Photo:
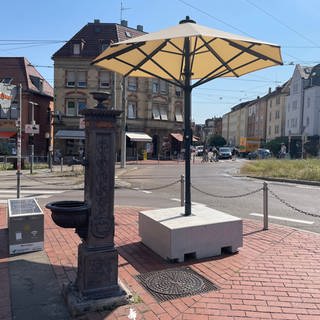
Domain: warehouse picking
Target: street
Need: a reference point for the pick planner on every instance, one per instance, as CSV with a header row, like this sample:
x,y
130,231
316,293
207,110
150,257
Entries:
x,y
216,185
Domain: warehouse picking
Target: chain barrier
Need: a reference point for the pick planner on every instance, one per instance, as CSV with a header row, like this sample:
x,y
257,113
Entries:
x,y
292,207
227,197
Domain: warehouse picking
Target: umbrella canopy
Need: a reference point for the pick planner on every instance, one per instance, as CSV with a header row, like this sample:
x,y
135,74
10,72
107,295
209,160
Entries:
x,y
213,54
184,53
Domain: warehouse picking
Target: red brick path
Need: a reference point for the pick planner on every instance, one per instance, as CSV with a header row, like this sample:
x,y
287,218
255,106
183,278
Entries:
x,y
276,275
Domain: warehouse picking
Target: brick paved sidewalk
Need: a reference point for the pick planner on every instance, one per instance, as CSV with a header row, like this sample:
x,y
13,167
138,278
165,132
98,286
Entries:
x,y
274,276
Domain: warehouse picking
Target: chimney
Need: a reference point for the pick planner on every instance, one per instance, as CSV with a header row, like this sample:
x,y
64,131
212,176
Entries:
x,y
140,27
124,23
96,21
269,89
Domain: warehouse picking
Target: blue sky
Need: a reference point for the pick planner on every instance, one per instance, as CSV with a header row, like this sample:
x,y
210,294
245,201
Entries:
x,y
293,24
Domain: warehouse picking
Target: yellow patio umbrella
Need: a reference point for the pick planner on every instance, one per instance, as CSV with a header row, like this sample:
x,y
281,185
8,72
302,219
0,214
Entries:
x,y
184,53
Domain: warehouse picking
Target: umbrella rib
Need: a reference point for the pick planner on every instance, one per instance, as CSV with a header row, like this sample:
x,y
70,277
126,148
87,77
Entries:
x,y
252,52
120,52
215,70
224,63
176,82
202,46
222,73
156,63
148,56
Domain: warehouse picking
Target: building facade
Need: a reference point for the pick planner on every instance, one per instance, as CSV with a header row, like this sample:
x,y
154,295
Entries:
x,y
36,108
150,106
276,108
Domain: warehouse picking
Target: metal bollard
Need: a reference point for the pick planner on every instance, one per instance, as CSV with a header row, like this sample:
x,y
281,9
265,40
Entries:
x,y
265,206
61,164
182,190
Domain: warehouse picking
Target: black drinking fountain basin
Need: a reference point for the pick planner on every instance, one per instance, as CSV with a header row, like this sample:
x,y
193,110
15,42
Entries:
x,y
71,214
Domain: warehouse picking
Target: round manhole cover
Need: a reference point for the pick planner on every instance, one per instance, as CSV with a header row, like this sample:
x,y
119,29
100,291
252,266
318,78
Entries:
x,y
174,282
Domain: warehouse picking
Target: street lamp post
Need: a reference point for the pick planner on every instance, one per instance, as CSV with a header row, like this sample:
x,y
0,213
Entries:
x,y
32,135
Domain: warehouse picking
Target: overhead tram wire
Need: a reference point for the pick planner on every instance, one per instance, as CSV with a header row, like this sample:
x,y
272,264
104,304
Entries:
x,y
282,23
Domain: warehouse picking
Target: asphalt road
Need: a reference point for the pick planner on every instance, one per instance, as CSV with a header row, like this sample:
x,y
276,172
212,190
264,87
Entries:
x,y
216,185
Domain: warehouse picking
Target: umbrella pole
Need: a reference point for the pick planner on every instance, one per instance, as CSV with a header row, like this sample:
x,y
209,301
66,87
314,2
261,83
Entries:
x,y
187,125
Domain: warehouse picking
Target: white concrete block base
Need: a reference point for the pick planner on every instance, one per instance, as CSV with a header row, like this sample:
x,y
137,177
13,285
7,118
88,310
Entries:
x,y
203,234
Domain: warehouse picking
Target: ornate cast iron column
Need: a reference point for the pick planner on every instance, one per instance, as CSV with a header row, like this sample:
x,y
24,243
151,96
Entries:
x,y
97,275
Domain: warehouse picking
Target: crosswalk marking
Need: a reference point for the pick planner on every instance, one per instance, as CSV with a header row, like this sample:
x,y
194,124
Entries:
x,y
31,193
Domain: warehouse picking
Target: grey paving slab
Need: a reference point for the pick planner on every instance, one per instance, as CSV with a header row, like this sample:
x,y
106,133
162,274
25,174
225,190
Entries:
x,y
35,293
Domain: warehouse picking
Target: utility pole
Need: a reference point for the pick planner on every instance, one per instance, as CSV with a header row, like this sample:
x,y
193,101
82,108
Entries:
x,y
19,133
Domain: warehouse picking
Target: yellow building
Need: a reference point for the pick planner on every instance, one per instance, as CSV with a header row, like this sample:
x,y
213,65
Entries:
x,y
150,106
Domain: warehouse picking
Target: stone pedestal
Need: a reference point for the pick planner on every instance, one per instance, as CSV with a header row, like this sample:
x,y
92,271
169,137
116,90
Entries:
x,y
176,237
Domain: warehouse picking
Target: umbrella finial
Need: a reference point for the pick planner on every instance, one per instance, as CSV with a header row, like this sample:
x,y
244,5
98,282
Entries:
x,y
187,20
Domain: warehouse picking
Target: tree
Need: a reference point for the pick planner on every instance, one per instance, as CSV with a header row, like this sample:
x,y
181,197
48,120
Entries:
x,y
216,140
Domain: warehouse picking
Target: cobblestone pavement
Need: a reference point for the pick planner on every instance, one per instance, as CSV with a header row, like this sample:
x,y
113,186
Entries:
x,y
275,275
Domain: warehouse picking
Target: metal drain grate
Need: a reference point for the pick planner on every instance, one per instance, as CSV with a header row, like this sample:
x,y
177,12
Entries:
x,y
175,283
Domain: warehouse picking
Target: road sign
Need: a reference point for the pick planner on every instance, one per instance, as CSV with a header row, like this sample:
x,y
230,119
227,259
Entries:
x,y
32,128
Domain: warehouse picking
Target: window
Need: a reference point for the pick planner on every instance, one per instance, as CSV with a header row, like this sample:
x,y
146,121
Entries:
x,y
164,112
104,79
294,105
81,79
155,86
104,46
270,115
163,87
74,106
288,107
308,102
76,79
156,111
132,84
71,78
76,48
14,112
132,110
277,99
307,121
277,114
276,129
178,114
270,103
269,131
37,82
178,92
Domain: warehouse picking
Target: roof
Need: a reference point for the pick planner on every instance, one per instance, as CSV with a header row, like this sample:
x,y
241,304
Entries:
x,y
92,35
304,71
22,71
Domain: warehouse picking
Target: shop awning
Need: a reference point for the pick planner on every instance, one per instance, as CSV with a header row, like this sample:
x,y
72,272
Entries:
x,y
179,137
7,134
138,136
70,134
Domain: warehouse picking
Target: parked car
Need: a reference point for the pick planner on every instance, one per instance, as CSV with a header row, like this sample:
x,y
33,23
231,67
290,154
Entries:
x,y
225,153
259,154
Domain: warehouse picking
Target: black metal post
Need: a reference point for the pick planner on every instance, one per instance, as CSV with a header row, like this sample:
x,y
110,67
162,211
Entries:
x,y
187,125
